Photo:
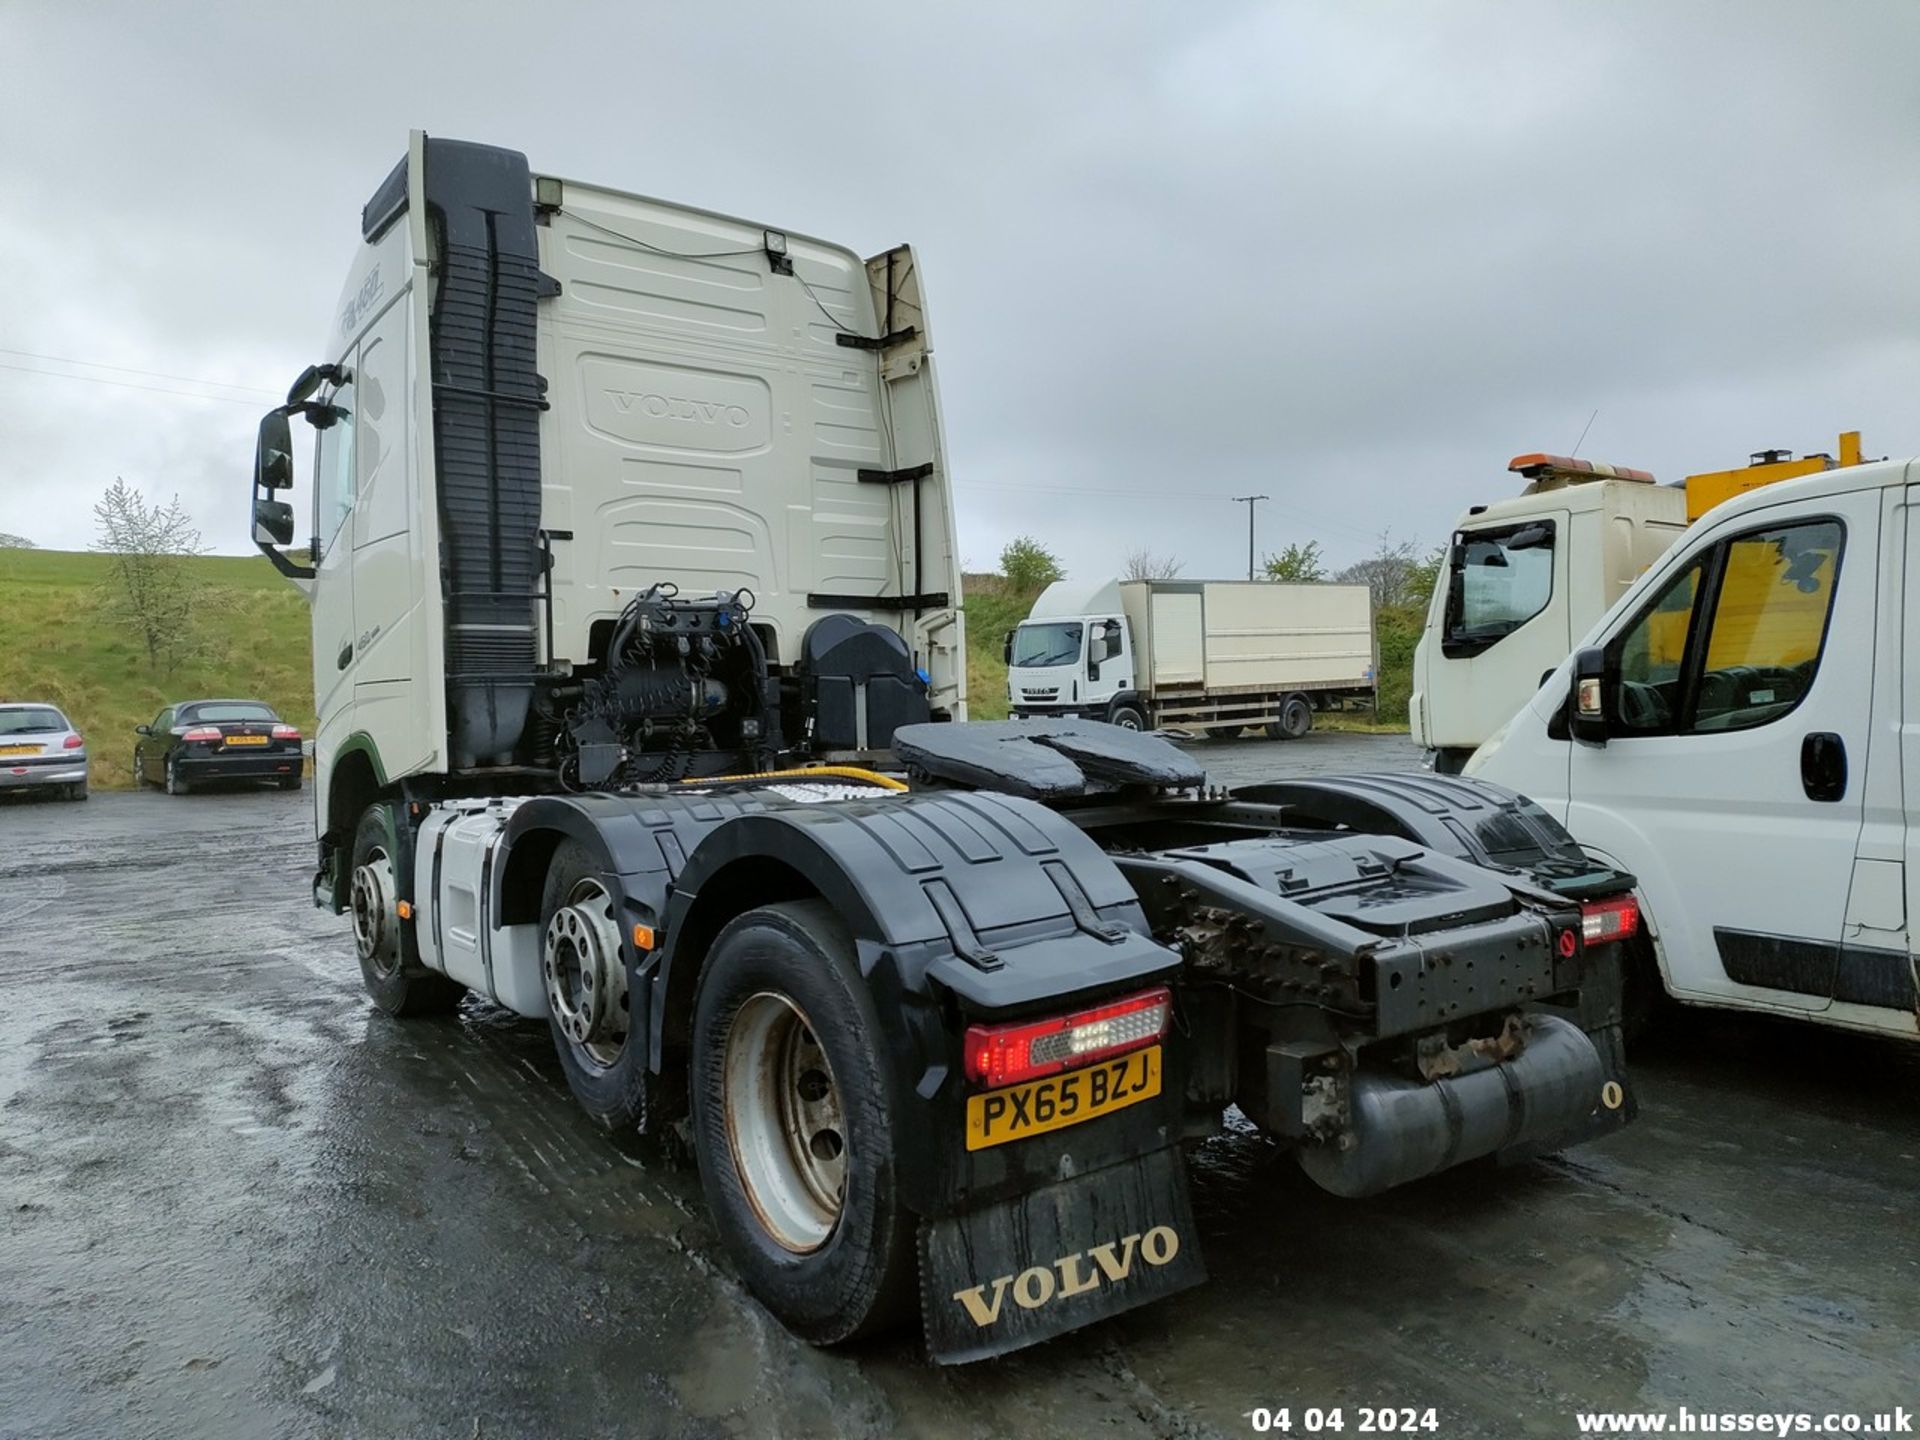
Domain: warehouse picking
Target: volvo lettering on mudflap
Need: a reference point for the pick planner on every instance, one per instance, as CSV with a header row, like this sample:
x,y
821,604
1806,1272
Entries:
x,y
640,679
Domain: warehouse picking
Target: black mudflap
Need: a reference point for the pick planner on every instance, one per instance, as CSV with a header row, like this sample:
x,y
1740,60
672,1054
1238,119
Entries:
x,y
1014,1273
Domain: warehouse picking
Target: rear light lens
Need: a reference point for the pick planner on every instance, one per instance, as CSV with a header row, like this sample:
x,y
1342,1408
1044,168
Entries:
x,y
201,732
73,742
1602,922
999,1055
285,732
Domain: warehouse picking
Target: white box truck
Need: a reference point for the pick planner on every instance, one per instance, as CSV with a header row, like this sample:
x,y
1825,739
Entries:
x,y
623,510
1217,656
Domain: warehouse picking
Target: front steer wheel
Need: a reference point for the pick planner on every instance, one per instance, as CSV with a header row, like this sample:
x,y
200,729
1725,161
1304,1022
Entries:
x,y
795,1125
389,957
584,967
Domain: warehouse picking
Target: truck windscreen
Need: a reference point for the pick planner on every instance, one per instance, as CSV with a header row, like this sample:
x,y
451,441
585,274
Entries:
x,y
1497,581
1051,643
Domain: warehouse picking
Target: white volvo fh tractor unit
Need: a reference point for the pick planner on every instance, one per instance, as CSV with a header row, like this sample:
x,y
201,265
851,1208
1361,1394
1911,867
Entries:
x,y
624,510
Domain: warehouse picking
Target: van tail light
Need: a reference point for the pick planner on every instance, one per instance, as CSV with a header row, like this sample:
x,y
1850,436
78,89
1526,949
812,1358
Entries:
x,y
1602,922
201,732
999,1055
73,741
285,732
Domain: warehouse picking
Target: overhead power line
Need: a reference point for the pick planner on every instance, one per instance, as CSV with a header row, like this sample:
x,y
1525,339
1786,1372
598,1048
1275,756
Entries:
x,y
131,370
131,385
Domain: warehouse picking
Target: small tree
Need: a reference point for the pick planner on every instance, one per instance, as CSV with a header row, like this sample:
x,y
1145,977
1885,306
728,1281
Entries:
x,y
149,587
15,542
1029,565
1396,573
1145,565
1297,564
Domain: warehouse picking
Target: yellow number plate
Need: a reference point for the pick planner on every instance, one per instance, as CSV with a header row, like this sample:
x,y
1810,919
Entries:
x,y
246,740
19,749
1059,1100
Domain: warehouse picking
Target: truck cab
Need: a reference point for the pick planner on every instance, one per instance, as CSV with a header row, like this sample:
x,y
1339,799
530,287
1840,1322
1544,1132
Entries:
x,y
1523,578
1073,655
1738,733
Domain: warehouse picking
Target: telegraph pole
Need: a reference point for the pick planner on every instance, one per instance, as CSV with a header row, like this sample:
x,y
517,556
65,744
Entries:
x,y
1249,501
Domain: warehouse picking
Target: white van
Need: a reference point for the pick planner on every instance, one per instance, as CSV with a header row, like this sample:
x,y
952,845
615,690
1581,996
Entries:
x,y
1742,732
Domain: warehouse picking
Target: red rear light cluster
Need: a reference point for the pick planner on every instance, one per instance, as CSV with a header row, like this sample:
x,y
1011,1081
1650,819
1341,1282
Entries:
x,y
73,741
285,732
201,732
1602,922
999,1055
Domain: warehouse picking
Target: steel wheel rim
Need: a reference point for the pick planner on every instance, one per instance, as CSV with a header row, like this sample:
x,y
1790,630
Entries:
x,y
585,972
784,1122
1126,721
370,898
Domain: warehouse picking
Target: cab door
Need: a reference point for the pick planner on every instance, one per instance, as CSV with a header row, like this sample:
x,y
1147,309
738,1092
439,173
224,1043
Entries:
x,y
1739,699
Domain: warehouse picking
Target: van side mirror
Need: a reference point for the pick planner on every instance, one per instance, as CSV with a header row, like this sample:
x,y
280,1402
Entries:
x,y
1587,703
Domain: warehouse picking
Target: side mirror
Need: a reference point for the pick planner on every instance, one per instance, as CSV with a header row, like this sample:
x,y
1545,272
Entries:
x,y
1587,704
1006,648
273,453
143,730
1115,637
272,522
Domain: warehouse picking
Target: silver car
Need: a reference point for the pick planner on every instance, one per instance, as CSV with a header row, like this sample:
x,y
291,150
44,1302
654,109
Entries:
x,y
39,750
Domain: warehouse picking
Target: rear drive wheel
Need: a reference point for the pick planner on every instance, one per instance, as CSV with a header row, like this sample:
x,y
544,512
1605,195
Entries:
x,y
177,784
1128,717
289,782
140,781
583,963
1296,719
795,1125
77,792
389,956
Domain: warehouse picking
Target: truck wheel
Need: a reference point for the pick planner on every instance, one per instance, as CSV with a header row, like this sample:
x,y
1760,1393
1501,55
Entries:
x,y
584,966
1450,762
289,782
1296,719
389,957
1644,1003
1128,717
794,1125
176,783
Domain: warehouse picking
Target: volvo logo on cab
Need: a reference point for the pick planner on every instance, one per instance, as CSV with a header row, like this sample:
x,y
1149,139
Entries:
x,y
675,407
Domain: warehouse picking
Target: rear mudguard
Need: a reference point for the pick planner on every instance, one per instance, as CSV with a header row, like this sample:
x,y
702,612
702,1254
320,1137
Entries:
x,y
1469,819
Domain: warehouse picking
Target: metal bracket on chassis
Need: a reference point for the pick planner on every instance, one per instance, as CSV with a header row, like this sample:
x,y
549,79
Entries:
x,y
1008,1275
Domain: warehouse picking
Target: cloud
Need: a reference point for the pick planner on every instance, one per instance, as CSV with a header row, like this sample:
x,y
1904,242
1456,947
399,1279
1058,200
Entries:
x,y
1354,257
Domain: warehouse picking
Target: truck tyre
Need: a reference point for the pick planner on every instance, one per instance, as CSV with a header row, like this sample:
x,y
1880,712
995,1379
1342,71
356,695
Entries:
x,y
289,782
795,1125
1644,1002
176,783
1127,717
1296,719
389,956
586,972
1450,761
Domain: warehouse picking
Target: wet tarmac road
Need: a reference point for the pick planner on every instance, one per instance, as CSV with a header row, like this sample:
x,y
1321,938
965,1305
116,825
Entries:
x,y
235,1202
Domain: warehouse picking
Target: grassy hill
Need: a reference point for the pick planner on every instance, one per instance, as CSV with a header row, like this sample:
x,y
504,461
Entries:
x,y
55,645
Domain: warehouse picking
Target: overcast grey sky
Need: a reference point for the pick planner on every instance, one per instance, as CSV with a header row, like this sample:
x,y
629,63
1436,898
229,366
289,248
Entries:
x,y
1354,256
